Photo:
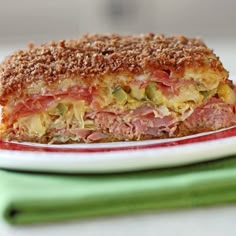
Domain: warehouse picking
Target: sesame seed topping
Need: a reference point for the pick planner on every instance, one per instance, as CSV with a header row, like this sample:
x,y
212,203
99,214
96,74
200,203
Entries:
x,y
96,55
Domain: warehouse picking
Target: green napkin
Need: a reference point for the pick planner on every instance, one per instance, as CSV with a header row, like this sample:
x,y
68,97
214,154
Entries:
x,y
27,198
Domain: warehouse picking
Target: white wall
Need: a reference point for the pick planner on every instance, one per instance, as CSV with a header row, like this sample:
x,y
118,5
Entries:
x,y
46,19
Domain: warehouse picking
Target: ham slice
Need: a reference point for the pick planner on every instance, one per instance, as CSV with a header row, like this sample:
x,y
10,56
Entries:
x,y
95,136
82,133
213,115
140,123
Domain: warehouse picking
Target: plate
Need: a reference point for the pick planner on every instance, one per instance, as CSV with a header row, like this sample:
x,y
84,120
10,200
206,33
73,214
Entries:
x,y
119,156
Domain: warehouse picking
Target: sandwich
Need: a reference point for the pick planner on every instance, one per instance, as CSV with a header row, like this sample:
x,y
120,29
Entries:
x,y
105,88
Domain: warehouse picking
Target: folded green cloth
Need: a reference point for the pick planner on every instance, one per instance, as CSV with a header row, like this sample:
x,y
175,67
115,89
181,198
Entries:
x,y
32,198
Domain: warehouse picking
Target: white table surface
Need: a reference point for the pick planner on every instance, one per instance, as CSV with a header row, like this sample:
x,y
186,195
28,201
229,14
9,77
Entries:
x,y
215,221
202,221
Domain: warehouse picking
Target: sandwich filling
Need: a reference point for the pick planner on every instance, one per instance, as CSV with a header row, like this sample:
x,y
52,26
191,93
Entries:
x,y
145,106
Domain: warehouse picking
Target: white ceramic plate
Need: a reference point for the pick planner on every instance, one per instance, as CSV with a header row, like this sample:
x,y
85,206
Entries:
x,y
120,156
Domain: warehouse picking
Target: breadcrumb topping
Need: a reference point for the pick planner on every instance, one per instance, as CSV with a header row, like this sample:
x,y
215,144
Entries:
x,y
96,55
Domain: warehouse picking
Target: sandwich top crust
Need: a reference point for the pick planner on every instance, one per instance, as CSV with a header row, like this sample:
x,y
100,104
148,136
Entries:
x,y
96,55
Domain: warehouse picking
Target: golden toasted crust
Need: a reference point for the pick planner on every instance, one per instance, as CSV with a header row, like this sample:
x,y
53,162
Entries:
x,y
95,55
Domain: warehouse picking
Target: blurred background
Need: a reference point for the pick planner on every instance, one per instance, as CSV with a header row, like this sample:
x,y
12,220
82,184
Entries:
x,y
39,21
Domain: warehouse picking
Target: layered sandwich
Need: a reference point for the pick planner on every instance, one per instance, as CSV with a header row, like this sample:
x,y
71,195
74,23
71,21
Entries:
x,y
104,88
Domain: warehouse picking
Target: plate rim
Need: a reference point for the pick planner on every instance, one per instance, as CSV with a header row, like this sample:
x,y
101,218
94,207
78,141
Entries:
x,y
119,161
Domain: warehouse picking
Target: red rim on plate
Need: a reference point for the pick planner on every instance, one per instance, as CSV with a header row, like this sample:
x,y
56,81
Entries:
x,y
225,133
